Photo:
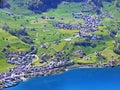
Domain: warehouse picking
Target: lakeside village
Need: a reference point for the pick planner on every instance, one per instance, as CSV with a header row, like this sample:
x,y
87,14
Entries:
x,y
25,69
59,61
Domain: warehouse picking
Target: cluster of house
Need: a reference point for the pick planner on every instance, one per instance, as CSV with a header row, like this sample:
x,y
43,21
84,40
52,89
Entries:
x,y
91,23
80,52
19,57
58,58
62,25
91,36
26,70
61,58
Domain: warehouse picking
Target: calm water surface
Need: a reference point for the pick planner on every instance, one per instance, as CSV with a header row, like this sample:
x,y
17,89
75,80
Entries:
x,y
77,79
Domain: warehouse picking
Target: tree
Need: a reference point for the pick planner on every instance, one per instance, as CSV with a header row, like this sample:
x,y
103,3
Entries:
x,y
113,33
93,44
5,27
4,4
8,46
117,46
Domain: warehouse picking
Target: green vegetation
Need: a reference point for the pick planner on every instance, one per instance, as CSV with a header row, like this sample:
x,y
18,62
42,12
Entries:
x,y
14,45
20,26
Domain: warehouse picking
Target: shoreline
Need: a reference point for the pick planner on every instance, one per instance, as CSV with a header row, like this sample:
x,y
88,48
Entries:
x,y
60,71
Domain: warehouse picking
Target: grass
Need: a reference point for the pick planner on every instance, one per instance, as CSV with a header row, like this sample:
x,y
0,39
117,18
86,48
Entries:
x,y
4,66
15,45
69,31
6,38
60,46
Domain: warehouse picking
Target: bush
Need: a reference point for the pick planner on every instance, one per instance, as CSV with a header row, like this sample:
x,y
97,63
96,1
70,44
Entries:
x,y
6,27
27,40
19,33
82,43
116,50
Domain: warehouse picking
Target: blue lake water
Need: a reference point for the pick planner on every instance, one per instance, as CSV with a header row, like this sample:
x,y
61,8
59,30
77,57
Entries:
x,y
77,79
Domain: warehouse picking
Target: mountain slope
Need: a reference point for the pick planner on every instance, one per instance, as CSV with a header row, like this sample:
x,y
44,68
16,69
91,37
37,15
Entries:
x,y
4,4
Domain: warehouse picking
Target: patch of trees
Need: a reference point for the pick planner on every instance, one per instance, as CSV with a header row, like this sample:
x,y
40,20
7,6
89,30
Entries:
x,y
39,6
117,51
117,47
27,40
5,27
20,4
33,50
8,46
22,34
4,50
113,33
82,43
86,43
98,3
4,4
18,33
117,3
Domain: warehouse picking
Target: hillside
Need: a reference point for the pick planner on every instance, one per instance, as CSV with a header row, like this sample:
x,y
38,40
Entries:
x,y
49,27
39,6
10,43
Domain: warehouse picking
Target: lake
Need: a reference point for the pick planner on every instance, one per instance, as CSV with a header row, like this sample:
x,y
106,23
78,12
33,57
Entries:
x,y
76,79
